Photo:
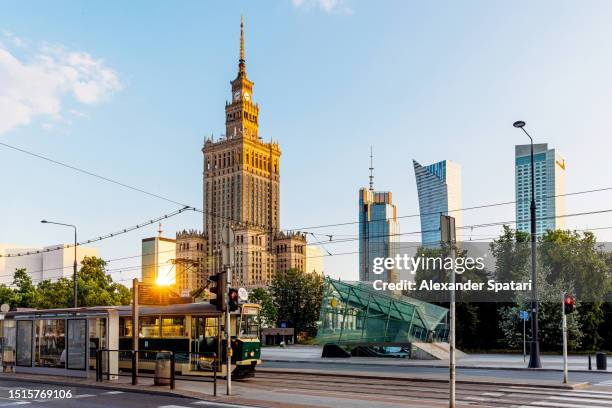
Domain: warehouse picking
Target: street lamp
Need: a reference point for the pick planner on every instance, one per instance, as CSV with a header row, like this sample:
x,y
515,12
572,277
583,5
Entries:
x,y
75,255
534,356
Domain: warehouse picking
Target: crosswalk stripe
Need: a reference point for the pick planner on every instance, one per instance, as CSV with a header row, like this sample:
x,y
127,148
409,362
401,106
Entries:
x,y
113,392
14,403
220,403
83,396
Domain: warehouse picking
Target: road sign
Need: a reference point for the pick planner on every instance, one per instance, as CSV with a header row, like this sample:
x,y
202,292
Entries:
x,y
4,308
149,294
524,315
243,294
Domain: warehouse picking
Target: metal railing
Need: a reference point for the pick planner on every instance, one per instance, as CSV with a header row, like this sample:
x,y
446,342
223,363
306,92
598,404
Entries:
x,y
201,362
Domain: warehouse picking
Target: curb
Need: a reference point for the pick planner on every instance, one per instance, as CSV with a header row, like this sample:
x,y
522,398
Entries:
x,y
467,367
115,387
433,380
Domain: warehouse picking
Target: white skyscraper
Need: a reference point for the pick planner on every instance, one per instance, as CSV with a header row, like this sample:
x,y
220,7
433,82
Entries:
x,y
549,184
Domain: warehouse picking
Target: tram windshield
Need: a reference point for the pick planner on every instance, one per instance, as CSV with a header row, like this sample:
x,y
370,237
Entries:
x,y
249,326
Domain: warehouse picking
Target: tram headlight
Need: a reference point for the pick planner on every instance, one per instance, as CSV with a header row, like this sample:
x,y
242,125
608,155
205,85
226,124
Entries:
x,y
252,354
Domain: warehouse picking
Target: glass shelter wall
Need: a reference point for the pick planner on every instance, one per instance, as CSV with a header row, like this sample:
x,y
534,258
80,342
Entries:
x,y
354,313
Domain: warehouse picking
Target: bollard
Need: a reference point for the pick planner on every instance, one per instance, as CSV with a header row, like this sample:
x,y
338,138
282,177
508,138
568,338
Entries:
x,y
590,367
602,360
172,363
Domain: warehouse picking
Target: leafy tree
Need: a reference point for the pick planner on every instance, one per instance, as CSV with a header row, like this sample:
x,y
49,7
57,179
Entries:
x,y
54,295
268,313
512,254
25,294
96,288
297,297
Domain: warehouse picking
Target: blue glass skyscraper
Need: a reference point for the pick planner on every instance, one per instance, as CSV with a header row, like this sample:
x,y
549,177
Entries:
x,y
439,190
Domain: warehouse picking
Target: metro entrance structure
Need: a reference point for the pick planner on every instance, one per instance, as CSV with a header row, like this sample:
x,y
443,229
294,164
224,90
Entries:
x,y
355,314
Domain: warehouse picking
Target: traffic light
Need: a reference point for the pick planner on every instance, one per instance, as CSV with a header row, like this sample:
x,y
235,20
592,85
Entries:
x,y
232,300
219,289
569,304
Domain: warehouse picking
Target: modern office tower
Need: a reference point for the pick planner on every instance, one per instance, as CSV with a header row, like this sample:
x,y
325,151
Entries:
x,y
439,189
549,185
158,257
378,231
190,261
242,189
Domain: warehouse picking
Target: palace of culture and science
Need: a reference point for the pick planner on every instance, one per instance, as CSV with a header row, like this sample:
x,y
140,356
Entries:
x,y
241,187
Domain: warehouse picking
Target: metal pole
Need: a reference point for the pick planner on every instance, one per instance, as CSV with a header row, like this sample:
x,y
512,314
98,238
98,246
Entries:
x,y
228,330
524,342
534,357
451,402
565,374
135,325
75,268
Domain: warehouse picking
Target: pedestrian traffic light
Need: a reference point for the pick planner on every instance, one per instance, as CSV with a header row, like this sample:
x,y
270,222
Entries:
x,y
232,299
568,304
219,289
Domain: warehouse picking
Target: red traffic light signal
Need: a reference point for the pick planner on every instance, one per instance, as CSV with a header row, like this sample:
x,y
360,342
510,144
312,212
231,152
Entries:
x,y
232,299
569,304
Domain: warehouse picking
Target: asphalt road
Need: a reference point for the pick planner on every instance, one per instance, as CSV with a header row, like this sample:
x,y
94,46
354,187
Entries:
x,y
83,397
593,378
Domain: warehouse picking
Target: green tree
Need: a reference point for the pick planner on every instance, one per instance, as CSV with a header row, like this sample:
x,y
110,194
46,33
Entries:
x,y
96,288
268,313
24,294
297,297
512,253
54,295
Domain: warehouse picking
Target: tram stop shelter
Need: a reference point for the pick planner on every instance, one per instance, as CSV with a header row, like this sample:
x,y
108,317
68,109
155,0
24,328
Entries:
x,y
353,313
59,341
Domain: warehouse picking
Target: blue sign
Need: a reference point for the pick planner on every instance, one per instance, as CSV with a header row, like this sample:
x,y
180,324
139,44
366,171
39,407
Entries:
x,y
283,325
524,315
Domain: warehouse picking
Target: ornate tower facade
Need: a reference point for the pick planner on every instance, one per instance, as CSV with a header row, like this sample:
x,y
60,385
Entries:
x,y
242,187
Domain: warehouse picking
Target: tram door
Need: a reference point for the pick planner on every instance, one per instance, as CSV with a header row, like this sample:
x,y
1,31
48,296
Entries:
x,y
204,339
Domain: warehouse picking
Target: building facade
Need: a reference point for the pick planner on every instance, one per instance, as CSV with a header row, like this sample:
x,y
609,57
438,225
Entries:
x,y
378,233
158,261
242,188
439,190
290,248
190,262
314,260
549,180
47,263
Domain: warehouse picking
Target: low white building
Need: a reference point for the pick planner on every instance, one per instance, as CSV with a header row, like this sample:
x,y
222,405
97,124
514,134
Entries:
x,y
47,263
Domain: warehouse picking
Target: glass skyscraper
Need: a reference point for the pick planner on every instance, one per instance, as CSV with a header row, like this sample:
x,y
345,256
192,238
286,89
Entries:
x,y
549,184
439,189
378,233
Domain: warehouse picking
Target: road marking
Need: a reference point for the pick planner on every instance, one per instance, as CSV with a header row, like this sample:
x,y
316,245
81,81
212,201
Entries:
x,y
220,403
83,396
113,392
603,383
15,403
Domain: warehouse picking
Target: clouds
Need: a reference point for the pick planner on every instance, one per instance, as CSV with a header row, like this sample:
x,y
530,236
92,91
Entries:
x,y
41,84
328,6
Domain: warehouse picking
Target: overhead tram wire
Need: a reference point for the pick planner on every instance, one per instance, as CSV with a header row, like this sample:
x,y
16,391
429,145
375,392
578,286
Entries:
x,y
304,229
103,237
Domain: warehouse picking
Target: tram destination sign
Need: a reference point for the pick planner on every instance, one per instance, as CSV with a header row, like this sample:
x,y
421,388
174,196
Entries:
x,y
152,295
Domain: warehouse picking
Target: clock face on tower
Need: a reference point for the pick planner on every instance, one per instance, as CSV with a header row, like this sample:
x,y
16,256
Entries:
x,y
236,95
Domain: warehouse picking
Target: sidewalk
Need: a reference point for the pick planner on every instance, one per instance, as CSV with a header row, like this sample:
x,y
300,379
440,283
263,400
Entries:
x,y
312,354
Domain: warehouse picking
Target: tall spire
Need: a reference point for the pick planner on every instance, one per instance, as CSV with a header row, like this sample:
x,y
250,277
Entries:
x,y
371,170
241,64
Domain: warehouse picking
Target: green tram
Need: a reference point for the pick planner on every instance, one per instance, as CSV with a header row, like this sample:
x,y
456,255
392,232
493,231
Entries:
x,y
193,331
66,341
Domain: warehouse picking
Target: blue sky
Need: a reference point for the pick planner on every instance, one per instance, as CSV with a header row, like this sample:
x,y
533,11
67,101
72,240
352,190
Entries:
x,y
130,90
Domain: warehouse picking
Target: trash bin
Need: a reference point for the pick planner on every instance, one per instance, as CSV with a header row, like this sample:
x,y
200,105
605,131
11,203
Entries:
x,y
162,368
602,361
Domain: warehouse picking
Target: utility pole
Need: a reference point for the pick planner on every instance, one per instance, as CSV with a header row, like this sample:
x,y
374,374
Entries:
x,y
447,232
229,334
